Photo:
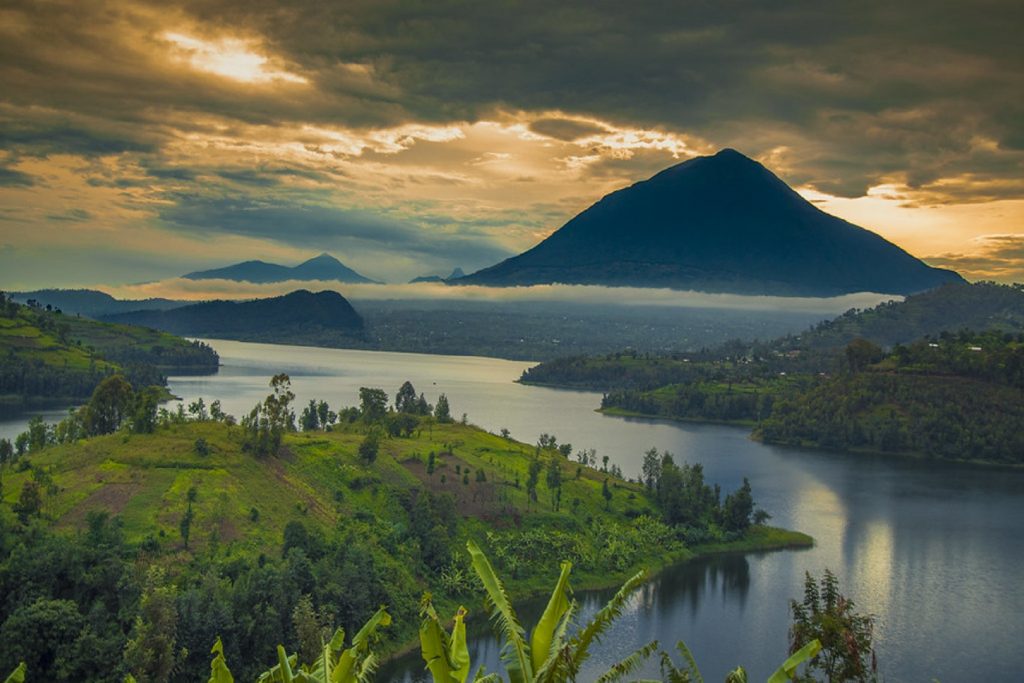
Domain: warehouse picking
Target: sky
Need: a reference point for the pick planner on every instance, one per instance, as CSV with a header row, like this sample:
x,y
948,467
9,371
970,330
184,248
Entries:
x,y
143,140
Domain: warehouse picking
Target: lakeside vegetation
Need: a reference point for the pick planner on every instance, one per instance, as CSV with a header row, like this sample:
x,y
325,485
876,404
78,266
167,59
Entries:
x,y
195,525
49,357
952,395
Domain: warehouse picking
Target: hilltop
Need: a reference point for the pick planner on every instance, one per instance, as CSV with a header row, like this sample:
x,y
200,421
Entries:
x,y
300,315
323,267
721,223
48,357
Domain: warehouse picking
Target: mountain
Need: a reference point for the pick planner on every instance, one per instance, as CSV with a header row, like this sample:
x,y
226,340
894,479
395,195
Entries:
x,y
323,267
455,274
300,312
721,223
90,302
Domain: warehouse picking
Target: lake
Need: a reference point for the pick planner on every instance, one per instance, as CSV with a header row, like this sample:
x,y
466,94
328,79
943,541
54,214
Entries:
x,y
934,550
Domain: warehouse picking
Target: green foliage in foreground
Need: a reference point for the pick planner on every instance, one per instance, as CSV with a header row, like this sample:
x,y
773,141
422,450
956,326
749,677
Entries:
x,y
548,654
134,551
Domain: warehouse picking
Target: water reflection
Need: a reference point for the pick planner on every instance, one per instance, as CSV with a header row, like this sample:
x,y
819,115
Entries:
x,y
933,549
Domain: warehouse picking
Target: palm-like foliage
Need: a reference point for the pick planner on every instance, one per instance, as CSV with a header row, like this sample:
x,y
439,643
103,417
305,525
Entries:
x,y
689,673
18,675
551,655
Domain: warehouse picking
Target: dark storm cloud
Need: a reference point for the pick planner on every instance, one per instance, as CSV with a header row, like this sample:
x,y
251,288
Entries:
x,y
904,89
565,129
858,92
323,227
10,178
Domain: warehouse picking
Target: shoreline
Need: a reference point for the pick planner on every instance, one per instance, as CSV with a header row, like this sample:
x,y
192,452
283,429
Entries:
x,y
776,539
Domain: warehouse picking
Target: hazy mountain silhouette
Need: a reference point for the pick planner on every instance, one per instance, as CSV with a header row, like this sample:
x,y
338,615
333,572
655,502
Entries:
x,y
90,302
298,311
456,273
322,267
722,223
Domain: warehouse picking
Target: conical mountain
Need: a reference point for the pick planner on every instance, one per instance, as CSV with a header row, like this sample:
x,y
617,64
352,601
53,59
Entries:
x,y
721,223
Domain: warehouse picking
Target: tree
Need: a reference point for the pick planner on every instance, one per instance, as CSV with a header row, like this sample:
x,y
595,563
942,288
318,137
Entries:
x,y
406,400
266,424
372,404
144,410
39,436
826,615
607,493
311,629
554,481
30,501
738,508
651,469
442,411
861,353
533,476
109,405
151,653
369,447
431,462
310,418
186,520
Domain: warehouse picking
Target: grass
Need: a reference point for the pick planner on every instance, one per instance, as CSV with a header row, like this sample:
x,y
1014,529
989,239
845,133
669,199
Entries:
x,y
318,480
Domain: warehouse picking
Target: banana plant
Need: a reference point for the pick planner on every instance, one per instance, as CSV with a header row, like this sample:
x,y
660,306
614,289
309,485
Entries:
x,y
219,672
336,664
446,655
18,675
689,673
551,655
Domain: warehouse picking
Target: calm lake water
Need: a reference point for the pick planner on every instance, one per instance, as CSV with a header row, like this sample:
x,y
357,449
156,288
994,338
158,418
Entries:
x,y
935,551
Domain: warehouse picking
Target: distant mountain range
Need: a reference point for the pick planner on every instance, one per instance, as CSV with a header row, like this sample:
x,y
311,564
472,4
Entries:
x,y
297,313
455,275
323,267
721,223
90,302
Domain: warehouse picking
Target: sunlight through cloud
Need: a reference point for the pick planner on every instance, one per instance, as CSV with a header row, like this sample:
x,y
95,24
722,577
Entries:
x,y
229,57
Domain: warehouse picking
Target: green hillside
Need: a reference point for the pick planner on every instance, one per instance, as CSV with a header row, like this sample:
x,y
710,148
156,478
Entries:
x,y
236,532
46,356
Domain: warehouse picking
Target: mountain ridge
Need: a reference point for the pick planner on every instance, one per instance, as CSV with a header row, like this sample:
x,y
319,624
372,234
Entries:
x,y
322,267
296,311
721,223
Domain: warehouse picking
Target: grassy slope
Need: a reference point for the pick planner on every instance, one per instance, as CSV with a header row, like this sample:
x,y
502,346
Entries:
x,y
318,480
109,337
22,337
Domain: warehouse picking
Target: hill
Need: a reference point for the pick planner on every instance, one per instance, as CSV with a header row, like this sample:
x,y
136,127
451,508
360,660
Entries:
x,y
948,308
368,511
323,267
980,306
48,357
960,397
722,223
90,302
298,315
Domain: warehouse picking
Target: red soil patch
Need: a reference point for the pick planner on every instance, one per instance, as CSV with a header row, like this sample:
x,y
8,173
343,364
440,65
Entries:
x,y
475,499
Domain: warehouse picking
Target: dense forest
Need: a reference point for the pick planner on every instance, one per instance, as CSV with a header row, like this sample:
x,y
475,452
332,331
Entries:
x,y
48,356
131,536
959,396
948,394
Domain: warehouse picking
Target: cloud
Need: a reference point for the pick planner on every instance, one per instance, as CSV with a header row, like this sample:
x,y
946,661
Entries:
x,y
196,290
323,228
11,177
999,257
457,133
